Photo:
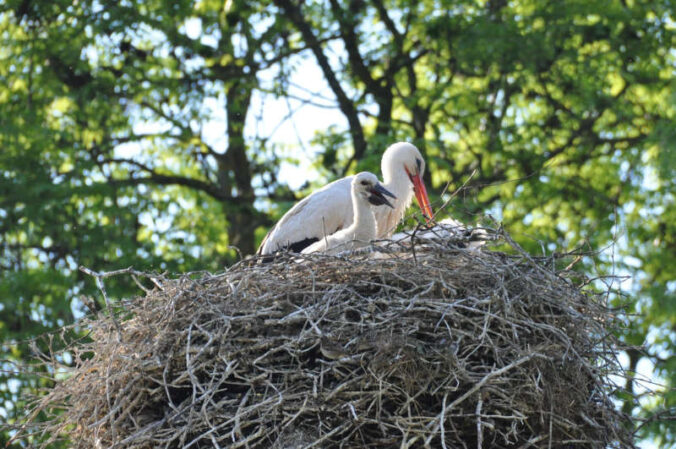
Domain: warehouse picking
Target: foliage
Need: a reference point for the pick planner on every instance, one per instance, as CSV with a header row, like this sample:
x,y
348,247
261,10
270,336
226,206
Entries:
x,y
108,110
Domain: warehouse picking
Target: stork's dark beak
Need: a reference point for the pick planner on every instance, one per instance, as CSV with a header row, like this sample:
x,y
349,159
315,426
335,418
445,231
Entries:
x,y
378,193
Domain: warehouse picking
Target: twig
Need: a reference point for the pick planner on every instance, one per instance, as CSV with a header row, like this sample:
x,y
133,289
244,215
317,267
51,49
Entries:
x,y
99,284
453,195
479,427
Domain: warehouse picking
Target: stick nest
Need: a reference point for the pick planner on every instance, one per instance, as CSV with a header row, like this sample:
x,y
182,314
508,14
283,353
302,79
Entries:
x,y
434,345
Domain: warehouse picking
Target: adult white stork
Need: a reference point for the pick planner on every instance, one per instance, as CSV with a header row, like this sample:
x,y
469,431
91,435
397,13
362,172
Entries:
x,y
365,191
329,209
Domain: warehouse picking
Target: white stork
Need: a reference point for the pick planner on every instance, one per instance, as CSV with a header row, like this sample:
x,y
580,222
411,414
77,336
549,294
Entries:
x,y
365,191
329,209
444,232
447,229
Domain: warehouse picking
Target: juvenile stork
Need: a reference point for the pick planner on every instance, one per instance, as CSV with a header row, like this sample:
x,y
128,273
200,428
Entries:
x,y
329,209
366,191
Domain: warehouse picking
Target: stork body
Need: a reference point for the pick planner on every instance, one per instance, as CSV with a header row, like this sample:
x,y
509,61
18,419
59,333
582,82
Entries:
x,y
447,229
445,232
329,209
366,193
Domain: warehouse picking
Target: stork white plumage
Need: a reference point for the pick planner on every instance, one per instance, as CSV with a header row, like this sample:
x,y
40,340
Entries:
x,y
445,230
329,209
366,193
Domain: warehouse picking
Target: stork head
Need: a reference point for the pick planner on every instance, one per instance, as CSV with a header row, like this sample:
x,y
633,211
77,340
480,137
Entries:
x,y
366,186
403,159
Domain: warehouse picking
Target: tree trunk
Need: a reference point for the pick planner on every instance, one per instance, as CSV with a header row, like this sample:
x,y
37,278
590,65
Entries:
x,y
241,215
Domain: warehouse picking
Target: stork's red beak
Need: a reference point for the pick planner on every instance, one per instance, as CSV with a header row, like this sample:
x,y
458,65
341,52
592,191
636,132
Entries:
x,y
421,196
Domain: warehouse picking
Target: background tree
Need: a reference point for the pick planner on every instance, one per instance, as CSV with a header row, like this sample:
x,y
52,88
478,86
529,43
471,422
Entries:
x,y
565,110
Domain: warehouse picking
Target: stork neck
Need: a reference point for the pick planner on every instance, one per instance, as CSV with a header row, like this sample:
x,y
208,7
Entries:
x,y
390,172
398,182
400,185
364,222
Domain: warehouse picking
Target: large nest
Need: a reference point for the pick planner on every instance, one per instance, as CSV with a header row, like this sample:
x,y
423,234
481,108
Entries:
x,y
435,346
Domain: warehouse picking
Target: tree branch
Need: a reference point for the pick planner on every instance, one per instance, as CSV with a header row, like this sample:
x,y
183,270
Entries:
x,y
153,177
346,22
345,104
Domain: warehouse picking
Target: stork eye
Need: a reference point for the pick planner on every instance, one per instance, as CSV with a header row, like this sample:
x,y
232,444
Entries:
x,y
364,183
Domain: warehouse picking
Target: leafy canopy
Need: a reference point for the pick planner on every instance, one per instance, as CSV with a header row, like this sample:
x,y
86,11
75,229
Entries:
x,y
130,137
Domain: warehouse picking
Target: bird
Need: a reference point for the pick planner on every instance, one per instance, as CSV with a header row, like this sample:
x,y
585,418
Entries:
x,y
366,191
329,209
441,235
446,230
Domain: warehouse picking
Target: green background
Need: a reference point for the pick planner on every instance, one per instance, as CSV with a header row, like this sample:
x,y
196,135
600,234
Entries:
x,y
565,111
